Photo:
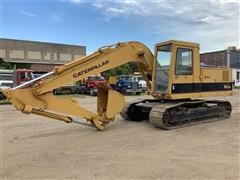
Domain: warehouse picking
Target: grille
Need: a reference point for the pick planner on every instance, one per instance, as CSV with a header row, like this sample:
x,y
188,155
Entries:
x,y
135,86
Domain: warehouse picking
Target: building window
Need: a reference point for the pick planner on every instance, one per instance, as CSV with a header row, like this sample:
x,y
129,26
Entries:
x,y
184,62
18,54
46,55
55,56
36,55
65,57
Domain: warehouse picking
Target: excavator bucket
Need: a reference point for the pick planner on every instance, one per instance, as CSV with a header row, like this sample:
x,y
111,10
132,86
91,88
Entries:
x,y
109,102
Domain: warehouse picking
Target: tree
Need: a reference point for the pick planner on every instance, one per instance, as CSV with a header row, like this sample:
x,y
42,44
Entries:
x,y
5,65
8,65
124,69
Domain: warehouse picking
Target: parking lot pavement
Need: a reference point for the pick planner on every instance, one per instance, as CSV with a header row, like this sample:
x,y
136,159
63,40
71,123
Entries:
x,y
37,147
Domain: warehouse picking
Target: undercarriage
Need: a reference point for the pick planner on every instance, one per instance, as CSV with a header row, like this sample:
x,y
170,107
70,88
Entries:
x,y
170,114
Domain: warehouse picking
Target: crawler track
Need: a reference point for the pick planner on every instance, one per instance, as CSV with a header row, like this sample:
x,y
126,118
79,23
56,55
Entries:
x,y
176,114
131,112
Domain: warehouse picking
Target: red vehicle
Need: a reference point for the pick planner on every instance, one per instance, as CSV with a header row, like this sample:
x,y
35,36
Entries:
x,y
13,78
21,76
90,85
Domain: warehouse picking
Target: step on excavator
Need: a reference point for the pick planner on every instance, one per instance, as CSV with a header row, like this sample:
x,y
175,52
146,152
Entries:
x,y
174,78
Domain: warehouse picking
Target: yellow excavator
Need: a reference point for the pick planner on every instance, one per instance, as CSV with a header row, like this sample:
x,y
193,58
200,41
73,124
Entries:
x,y
173,74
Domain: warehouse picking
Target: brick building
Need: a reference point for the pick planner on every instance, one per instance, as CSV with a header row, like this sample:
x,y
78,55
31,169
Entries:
x,y
229,57
39,56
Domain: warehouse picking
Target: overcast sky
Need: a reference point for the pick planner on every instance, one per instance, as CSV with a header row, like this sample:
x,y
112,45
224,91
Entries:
x,y
213,24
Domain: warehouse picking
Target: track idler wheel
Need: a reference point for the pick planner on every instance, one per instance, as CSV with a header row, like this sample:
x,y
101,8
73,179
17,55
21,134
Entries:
x,y
132,112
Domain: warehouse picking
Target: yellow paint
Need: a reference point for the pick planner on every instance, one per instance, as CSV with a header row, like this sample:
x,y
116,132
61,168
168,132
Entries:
x,y
39,99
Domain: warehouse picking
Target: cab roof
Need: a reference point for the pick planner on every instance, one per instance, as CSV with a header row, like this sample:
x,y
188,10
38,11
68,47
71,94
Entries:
x,y
180,43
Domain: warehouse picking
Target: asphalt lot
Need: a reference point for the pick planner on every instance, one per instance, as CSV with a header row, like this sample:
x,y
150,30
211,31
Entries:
x,y
34,147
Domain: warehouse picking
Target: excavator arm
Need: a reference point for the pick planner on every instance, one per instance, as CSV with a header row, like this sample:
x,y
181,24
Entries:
x,y
39,98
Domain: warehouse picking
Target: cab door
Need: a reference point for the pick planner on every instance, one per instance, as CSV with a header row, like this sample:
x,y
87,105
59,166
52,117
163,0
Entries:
x,y
183,75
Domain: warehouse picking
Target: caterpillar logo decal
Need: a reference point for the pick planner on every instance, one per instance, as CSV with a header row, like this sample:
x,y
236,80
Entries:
x,y
75,75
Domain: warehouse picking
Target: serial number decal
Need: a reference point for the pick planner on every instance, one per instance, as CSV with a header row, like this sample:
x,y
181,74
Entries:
x,y
75,75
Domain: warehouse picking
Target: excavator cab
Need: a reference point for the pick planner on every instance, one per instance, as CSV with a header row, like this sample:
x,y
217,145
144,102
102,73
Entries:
x,y
177,73
174,63
177,82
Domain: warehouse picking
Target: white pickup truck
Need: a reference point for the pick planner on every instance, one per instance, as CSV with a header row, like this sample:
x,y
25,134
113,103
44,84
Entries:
x,y
141,81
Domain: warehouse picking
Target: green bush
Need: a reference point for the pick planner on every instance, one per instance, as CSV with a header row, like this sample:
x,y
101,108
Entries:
x,y
124,69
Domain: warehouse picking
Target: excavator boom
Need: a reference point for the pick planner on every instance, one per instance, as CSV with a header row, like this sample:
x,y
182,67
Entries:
x,y
40,100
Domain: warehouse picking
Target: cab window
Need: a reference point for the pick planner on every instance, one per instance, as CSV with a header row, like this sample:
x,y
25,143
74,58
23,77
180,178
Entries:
x,y
184,62
26,76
